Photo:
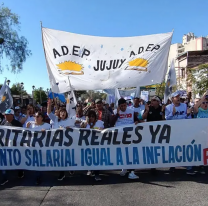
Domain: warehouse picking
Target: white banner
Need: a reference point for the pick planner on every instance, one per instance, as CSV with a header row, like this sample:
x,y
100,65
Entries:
x,y
147,145
89,62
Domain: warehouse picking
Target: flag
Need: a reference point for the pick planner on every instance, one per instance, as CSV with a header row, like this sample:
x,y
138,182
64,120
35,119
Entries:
x,y
85,62
117,97
61,97
6,100
171,81
71,104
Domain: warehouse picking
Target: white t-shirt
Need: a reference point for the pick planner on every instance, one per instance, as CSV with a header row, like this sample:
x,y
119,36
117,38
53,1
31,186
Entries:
x,y
29,119
80,119
44,126
69,122
139,110
98,125
126,117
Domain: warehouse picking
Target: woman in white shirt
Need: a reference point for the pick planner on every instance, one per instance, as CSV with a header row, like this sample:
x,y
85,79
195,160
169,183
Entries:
x,y
60,121
93,123
30,115
38,125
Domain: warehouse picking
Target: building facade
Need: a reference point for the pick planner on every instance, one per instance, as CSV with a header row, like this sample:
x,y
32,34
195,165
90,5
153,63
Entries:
x,y
187,55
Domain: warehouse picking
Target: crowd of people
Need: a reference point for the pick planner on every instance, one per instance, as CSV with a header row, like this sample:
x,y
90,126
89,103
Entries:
x,y
99,115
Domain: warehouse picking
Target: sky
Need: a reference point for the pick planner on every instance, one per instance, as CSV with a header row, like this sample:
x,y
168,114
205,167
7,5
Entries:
x,y
120,18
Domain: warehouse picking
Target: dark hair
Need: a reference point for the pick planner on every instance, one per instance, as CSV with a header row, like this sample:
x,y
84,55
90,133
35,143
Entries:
x,y
40,114
121,101
92,113
62,110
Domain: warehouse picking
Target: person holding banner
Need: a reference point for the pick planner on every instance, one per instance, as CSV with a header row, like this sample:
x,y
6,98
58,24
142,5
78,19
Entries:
x,y
139,109
201,108
102,113
61,121
30,115
79,118
174,111
124,116
93,123
38,125
154,112
12,122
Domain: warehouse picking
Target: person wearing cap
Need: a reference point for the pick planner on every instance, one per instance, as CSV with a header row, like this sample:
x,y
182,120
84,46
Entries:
x,y
154,111
124,116
139,109
102,113
18,115
12,122
174,111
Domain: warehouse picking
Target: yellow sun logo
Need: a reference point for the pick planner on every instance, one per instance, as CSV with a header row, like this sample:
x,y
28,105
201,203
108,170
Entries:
x,y
69,67
3,98
139,63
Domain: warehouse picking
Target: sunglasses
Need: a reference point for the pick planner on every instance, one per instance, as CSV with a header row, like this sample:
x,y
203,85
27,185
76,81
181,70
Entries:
x,y
204,102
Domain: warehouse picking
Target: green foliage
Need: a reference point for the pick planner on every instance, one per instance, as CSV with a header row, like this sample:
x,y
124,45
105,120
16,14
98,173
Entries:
x,y
40,95
17,90
12,46
160,89
93,95
198,79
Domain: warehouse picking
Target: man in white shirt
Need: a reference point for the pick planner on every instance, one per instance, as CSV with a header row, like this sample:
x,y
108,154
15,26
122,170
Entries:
x,y
174,111
138,109
125,116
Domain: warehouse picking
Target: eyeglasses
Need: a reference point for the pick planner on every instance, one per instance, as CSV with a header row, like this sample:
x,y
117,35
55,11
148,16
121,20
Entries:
x,y
204,102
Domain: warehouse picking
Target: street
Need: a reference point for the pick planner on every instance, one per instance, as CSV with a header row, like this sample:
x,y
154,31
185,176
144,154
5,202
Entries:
x,y
80,189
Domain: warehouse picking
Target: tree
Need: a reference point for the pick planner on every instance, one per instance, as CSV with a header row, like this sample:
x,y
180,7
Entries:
x,y
198,79
160,89
16,89
12,46
40,95
90,94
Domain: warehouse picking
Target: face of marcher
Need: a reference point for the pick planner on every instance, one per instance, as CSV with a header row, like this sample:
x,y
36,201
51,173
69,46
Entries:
x,y
44,109
30,110
176,100
154,103
123,107
107,106
136,102
17,113
23,111
204,104
92,119
99,106
63,115
38,119
9,117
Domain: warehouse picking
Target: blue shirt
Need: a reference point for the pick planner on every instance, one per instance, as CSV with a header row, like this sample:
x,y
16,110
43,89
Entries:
x,y
202,113
181,112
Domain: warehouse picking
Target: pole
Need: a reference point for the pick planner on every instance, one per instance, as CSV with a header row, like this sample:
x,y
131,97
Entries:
x,y
40,96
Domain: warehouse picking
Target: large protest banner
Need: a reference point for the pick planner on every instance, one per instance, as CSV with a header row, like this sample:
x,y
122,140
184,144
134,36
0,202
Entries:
x,y
146,145
82,62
